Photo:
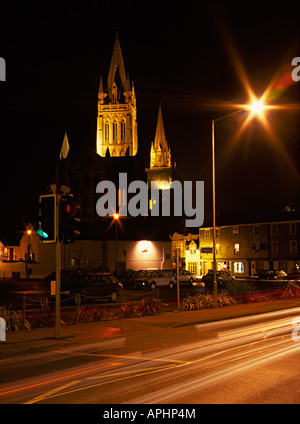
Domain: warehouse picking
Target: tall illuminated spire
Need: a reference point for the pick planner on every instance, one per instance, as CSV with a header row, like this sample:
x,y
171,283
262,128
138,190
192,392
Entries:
x,y
116,121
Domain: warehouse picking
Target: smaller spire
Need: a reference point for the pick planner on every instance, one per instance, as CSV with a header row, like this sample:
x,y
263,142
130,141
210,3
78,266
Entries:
x,y
160,136
101,85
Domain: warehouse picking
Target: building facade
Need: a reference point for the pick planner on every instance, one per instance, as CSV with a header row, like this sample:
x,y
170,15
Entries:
x,y
246,249
187,246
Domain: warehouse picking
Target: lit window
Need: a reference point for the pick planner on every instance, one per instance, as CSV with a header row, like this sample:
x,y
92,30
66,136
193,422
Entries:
x,y
238,267
123,130
236,248
115,132
106,131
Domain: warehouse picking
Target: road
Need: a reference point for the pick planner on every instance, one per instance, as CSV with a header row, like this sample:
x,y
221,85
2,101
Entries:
x,y
243,360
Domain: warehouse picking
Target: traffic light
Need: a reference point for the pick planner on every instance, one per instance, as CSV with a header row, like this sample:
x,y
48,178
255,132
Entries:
x,y
46,228
69,214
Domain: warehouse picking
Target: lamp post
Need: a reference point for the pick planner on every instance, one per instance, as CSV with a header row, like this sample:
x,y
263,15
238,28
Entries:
x,y
256,108
116,218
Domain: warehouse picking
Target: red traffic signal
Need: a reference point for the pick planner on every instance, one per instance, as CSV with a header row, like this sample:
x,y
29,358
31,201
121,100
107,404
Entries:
x,y
69,220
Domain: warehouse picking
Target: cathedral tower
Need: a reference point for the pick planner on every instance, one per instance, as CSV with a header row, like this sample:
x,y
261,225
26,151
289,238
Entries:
x,y
160,157
116,120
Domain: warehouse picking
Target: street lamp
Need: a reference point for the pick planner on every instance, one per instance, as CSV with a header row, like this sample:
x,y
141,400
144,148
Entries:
x,y
256,108
116,218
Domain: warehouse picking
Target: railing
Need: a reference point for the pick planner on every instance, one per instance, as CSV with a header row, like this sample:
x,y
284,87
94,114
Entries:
x,y
36,313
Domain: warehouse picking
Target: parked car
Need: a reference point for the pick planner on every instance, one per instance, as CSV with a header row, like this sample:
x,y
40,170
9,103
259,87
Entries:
x,y
294,274
267,274
92,285
126,278
222,277
280,275
137,276
185,276
153,279
66,275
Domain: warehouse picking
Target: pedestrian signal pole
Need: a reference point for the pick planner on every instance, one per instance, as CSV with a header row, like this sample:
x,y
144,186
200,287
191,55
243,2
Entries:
x,y
177,271
58,268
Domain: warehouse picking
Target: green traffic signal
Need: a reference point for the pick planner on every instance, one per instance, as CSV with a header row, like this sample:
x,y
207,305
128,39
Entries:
x,y
42,233
46,228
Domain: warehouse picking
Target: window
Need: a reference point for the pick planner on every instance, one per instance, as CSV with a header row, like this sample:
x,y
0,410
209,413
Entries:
x,y
207,234
115,131
293,246
256,230
238,267
114,94
236,248
106,131
236,231
193,250
293,228
274,246
218,232
192,267
123,130
273,229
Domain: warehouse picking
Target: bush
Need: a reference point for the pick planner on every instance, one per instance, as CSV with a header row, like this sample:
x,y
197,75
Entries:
x,y
43,317
256,297
92,313
205,301
144,308
238,289
13,319
292,290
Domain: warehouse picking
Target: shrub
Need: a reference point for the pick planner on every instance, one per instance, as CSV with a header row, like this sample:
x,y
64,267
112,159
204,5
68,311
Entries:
x,y
292,290
205,301
238,289
14,319
144,308
43,317
256,297
91,313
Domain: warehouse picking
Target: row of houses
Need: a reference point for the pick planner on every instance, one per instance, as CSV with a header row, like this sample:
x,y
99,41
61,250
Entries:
x,y
242,248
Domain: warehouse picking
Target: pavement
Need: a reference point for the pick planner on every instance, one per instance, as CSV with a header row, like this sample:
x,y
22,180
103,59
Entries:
x,y
41,339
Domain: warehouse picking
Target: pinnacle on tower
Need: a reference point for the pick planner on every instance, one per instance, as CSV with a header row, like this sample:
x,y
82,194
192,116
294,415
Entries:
x,y
116,74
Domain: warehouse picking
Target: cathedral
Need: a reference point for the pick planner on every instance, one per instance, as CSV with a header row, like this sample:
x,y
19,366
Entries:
x,y
116,148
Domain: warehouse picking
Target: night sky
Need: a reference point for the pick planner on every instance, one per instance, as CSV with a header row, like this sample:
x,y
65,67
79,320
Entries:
x,y
175,53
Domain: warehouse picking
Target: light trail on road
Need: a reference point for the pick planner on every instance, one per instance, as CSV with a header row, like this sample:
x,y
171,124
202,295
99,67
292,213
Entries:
x,y
198,358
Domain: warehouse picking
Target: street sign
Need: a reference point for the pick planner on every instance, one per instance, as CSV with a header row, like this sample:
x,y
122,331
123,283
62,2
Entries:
x,y
206,249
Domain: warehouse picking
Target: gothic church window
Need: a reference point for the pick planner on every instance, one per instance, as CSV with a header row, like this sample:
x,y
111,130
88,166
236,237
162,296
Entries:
x,y
115,131
123,130
114,94
106,131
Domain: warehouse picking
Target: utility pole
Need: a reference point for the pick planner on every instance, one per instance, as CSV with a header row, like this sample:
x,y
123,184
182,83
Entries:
x,y
58,266
177,265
